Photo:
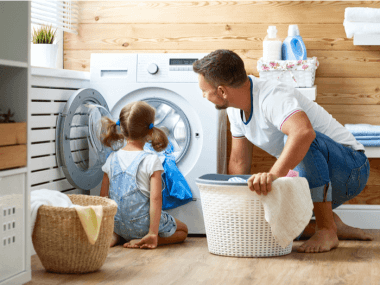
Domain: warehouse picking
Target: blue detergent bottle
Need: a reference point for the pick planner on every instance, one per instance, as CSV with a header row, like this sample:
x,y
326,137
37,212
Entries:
x,y
293,47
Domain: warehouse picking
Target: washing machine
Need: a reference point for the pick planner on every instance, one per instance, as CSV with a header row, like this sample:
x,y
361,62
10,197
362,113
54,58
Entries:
x,y
167,82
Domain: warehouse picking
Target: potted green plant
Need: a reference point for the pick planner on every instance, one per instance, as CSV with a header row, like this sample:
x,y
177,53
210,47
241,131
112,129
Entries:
x,y
44,50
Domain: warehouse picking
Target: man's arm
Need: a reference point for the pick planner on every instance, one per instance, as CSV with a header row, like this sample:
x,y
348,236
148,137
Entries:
x,y
300,136
241,156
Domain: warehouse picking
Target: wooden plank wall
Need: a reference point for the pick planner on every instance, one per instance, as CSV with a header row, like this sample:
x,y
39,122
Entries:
x,y
347,79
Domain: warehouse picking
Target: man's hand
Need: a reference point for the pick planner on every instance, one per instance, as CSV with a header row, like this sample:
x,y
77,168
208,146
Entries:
x,y
261,183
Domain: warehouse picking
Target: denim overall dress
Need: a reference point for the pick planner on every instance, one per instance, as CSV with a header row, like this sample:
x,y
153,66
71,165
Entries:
x,y
132,219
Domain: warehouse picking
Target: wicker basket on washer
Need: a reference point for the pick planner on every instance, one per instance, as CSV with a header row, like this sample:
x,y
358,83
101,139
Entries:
x,y
234,219
61,242
296,73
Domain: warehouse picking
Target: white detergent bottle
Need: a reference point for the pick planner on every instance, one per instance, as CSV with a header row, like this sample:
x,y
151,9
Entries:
x,y
272,45
293,47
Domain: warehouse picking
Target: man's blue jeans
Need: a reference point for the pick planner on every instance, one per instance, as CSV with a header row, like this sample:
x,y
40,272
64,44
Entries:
x,y
335,172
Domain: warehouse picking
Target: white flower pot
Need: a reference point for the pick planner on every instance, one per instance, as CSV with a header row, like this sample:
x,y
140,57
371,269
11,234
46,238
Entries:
x,y
44,55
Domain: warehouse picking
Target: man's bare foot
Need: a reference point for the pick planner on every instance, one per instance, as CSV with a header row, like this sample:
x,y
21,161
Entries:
x,y
322,241
115,239
346,232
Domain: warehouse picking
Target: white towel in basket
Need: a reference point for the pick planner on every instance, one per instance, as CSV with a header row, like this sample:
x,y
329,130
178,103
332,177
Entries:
x,y
49,198
90,216
288,208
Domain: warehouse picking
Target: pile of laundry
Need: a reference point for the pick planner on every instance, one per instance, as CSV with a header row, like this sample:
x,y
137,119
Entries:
x,y
361,20
366,134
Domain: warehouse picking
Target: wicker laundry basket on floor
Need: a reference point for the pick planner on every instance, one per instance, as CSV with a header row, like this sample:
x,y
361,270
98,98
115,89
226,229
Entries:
x,y
61,242
235,220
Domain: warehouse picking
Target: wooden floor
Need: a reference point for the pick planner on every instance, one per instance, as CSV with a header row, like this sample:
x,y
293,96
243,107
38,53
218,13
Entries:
x,y
353,262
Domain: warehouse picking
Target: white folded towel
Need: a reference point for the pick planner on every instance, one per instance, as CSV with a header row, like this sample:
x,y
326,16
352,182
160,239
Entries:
x,y
362,14
288,208
353,28
49,198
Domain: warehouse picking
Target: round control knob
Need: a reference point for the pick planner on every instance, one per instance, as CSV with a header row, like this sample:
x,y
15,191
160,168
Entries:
x,y
152,68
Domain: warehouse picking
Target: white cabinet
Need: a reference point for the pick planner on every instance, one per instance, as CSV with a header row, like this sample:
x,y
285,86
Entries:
x,y
14,90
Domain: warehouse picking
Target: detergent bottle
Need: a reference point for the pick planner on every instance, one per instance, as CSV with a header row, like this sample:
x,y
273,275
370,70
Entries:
x,y
272,45
293,47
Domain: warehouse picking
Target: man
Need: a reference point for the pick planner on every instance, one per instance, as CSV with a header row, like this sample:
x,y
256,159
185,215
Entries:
x,y
298,132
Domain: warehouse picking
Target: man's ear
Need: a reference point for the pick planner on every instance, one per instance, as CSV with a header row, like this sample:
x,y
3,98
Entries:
x,y
222,92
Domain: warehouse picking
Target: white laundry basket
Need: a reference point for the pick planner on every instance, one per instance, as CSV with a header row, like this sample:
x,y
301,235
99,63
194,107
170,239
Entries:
x,y
234,219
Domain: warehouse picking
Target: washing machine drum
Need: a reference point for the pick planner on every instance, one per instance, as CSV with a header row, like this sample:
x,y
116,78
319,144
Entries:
x,y
173,121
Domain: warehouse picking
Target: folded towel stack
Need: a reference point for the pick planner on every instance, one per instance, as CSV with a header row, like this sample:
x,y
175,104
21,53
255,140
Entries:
x,y
366,134
361,20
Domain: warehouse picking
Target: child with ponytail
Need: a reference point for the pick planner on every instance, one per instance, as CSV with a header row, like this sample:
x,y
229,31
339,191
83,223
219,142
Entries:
x,y
132,178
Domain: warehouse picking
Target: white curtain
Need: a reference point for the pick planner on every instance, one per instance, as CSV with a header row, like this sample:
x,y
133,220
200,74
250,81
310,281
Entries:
x,y
61,15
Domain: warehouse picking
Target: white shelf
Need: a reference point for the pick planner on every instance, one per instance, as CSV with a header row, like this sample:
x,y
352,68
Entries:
x,y
13,63
15,34
309,92
60,73
372,151
367,40
8,172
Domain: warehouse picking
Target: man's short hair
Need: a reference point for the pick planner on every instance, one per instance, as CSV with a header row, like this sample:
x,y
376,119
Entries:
x,y
222,67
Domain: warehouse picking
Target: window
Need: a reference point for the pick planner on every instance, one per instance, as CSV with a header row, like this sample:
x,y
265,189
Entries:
x,y
61,15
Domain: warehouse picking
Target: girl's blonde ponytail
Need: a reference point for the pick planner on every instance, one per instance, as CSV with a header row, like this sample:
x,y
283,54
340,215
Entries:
x,y
110,134
159,140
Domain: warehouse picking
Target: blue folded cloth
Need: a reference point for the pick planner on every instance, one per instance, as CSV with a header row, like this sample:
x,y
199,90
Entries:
x,y
367,138
363,129
370,142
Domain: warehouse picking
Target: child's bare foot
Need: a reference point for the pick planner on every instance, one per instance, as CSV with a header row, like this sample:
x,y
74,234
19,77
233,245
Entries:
x,y
115,239
322,241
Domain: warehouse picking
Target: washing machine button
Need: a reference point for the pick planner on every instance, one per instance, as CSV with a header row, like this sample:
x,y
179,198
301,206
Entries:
x,y
152,68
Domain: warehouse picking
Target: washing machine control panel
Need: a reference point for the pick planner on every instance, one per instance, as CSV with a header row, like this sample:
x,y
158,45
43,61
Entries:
x,y
167,67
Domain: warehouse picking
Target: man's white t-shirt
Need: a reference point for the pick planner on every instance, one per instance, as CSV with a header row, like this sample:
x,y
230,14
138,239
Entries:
x,y
272,104
147,167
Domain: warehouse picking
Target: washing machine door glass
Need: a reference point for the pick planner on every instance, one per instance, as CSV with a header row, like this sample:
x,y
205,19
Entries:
x,y
173,121
79,149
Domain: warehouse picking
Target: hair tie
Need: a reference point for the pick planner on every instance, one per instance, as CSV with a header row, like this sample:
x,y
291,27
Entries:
x,y
151,126
118,123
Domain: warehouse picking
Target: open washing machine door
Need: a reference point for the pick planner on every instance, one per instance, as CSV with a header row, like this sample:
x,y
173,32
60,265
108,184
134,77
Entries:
x,y
78,148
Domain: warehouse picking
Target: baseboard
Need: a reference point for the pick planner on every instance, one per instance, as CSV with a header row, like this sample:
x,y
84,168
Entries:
x,y
32,251
360,216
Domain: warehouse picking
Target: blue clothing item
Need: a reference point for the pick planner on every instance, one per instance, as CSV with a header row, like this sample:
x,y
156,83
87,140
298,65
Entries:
x,y
335,172
177,191
132,218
